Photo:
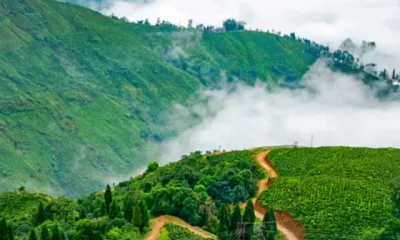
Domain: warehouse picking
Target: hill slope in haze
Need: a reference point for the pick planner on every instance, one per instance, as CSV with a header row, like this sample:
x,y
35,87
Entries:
x,y
81,93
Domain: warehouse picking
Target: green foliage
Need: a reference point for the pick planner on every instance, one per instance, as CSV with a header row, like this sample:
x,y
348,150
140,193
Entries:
x,y
55,233
19,205
108,198
175,232
32,234
236,218
44,233
176,201
249,218
144,215
40,216
151,167
342,191
3,229
128,211
10,233
115,211
137,216
396,199
164,234
76,88
61,210
269,226
224,222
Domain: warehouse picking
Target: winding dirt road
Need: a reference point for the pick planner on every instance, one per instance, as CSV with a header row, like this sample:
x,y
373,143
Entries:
x,y
158,223
286,225
291,229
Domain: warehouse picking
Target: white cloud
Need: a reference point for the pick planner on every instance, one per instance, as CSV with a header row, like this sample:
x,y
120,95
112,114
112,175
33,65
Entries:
x,y
324,21
337,109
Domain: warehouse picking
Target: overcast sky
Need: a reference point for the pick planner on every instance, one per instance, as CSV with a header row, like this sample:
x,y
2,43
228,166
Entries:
x,y
325,21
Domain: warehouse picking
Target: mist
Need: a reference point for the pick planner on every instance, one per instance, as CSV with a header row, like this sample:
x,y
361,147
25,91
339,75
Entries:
x,y
334,108
325,21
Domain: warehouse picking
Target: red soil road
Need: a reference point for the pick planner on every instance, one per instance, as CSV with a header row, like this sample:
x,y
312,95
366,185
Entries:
x,y
290,228
158,223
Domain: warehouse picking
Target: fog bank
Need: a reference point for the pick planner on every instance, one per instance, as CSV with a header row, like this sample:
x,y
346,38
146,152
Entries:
x,y
335,108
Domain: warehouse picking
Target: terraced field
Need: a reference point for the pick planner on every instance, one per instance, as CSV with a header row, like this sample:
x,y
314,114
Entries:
x,y
335,192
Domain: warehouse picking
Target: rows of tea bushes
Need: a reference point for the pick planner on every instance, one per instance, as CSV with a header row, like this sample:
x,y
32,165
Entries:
x,y
335,192
174,232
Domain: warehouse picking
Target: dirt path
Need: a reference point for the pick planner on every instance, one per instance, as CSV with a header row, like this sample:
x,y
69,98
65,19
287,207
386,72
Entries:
x,y
287,226
158,223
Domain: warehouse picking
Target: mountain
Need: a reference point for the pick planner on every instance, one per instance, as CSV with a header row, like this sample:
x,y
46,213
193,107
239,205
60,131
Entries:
x,y
314,193
82,94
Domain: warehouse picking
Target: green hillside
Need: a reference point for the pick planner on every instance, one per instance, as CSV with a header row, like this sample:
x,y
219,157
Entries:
x,y
335,192
81,94
19,205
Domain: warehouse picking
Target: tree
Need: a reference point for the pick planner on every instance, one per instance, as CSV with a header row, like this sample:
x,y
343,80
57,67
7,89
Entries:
x,y
128,211
232,25
394,74
55,235
137,216
269,225
3,229
44,233
102,209
293,35
108,198
32,234
114,210
10,233
236,217
40,216
151,167
249,218
224,222
21,189
144,214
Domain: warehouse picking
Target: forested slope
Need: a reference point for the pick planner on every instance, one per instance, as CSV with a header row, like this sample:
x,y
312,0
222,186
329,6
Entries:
x,y
81,93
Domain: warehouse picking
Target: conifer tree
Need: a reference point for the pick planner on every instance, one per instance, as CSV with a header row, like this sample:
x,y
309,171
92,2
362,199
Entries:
x,y
269,225
128,211
108,198
32,235
44,233
236,217
55,235
62,235
137,216
3,229
249,218
10,233
40,215
224,222
144,214
114,210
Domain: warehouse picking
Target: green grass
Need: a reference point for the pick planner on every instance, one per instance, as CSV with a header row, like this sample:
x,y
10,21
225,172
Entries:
x,y
334,192
81,94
